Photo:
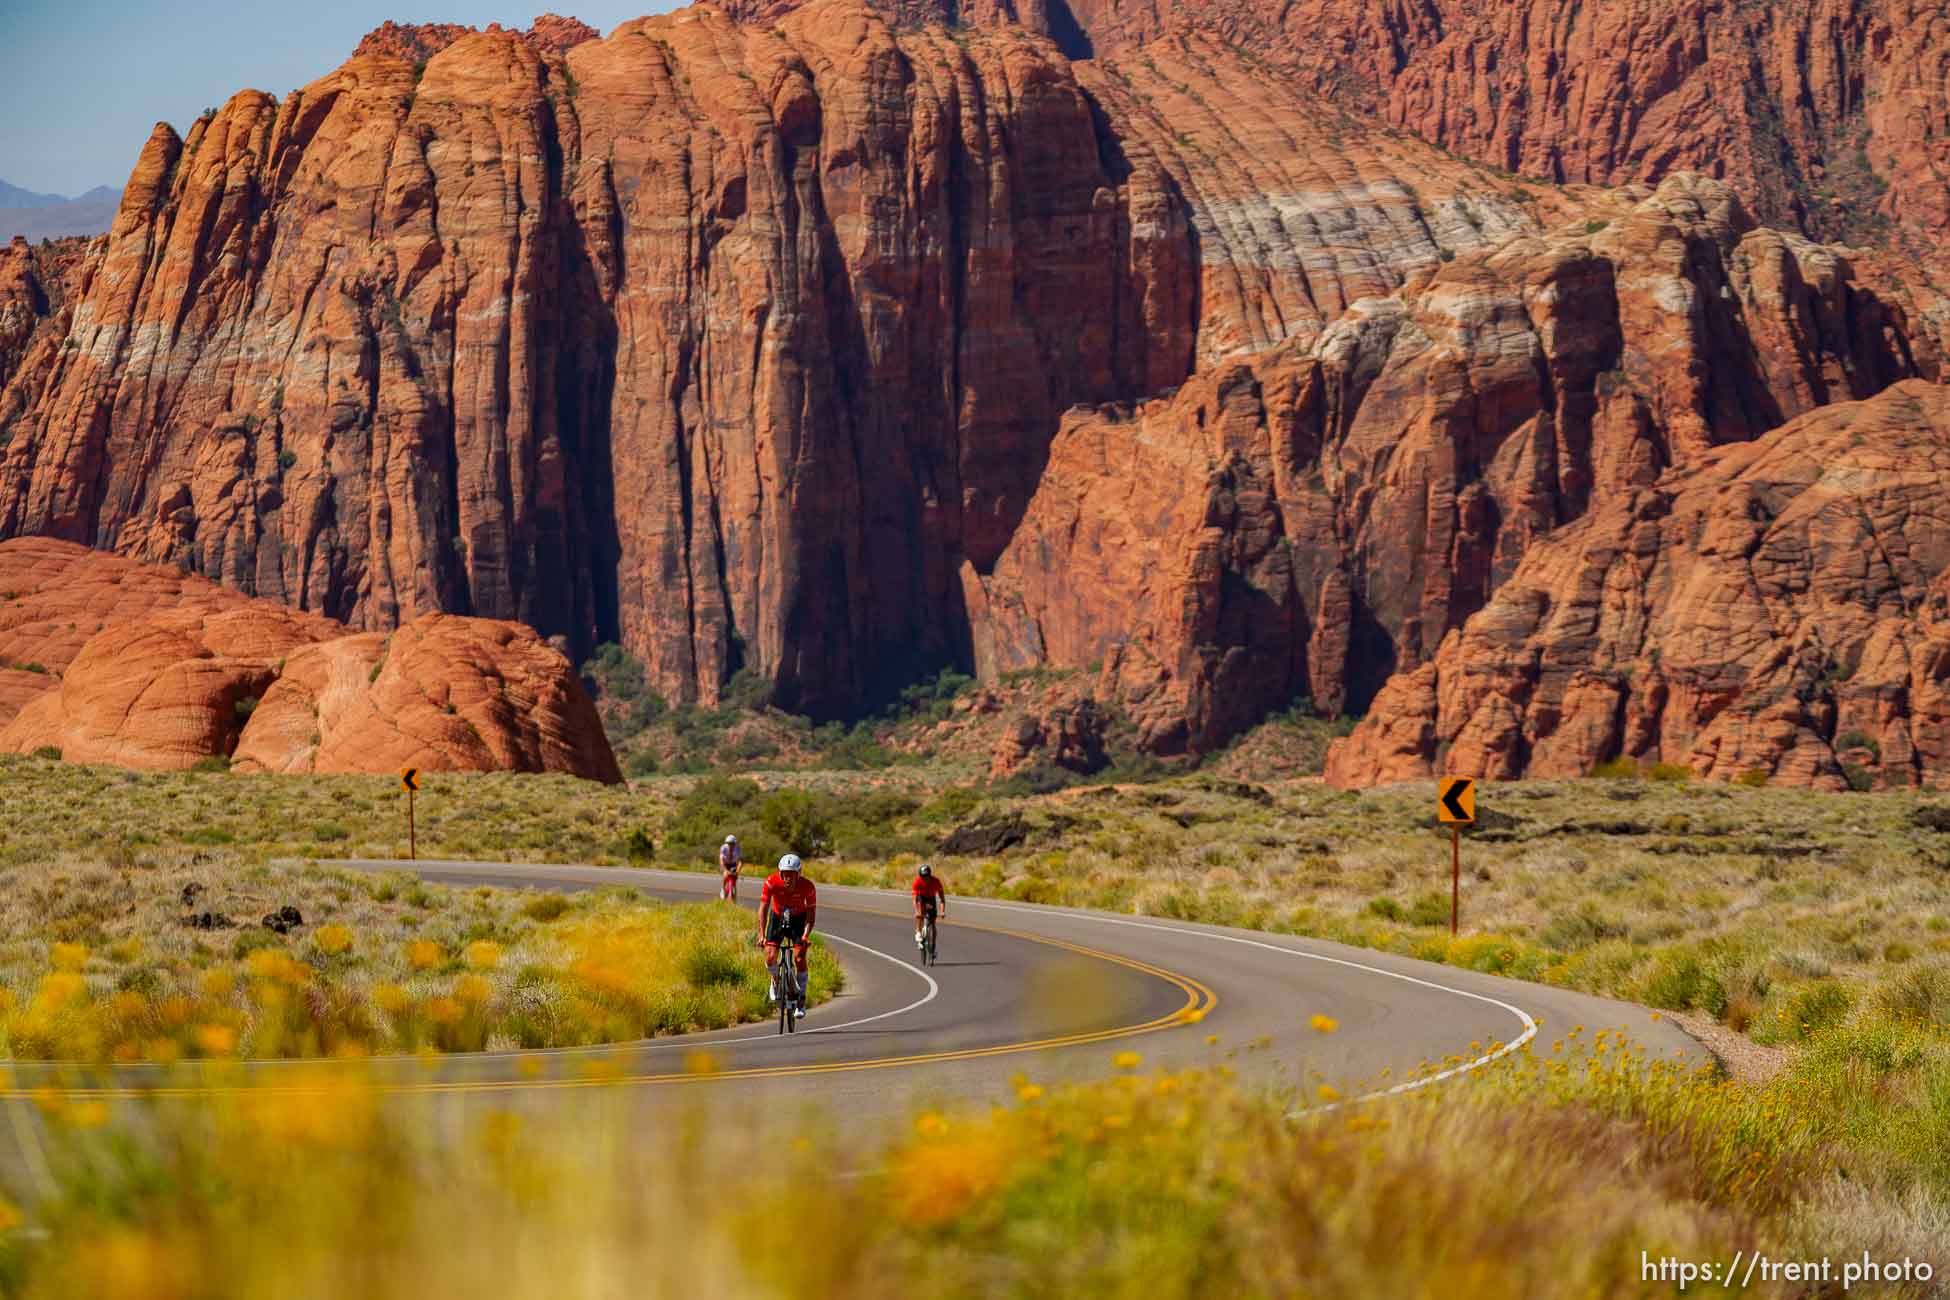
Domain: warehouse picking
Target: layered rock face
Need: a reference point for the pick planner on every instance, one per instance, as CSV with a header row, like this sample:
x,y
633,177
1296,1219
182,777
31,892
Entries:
x,y
145,666
734,344
421,41
1305,522
1780,606
1833,116
828,342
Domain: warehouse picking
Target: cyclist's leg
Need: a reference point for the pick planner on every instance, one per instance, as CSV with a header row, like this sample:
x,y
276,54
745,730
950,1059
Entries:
x,y
799,950
920,909
772,967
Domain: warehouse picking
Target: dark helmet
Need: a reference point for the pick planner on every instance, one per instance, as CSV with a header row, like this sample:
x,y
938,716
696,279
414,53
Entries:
x,y
926,870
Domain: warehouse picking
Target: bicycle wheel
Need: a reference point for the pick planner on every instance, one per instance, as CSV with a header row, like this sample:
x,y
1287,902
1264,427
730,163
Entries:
x,y
792,996
927,944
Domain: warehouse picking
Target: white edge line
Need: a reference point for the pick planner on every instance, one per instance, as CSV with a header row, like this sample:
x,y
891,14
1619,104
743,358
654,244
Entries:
x,y
672,1043
1529,1025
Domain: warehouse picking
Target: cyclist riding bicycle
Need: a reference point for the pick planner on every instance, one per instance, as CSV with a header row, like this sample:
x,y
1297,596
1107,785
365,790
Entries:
x,y
929,895
786,907
729,860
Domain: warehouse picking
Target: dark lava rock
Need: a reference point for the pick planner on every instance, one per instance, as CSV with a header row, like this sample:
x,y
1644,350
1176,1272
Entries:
x,y
991,836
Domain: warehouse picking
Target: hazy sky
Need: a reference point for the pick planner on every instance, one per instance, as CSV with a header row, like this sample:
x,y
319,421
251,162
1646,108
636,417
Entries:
x,y
83,81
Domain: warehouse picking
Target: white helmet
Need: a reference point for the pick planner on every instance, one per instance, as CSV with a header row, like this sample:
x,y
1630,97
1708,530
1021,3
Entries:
x,y
731,839
790,862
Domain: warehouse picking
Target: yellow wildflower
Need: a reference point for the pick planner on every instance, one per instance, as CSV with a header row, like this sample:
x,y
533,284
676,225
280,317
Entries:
x,y
333,939
482,954
1127,1060
422,953
1324,1024
67,956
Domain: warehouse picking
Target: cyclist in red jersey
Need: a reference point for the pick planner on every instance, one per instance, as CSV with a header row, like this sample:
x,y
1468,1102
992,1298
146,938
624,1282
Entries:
x,y
928,895
729,860
786,908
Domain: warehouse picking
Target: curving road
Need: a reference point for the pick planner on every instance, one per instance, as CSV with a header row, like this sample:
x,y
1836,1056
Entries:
x,y
1021,990
1054,994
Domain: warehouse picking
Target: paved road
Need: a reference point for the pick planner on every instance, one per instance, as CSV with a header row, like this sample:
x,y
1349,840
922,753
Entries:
x,y
1054,994
1050,993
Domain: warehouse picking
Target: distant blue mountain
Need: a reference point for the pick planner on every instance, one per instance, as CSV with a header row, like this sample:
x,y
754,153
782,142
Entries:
x,y
12,196
50,216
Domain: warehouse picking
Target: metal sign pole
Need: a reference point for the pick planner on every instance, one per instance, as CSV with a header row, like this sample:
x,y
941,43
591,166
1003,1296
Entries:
x,y
1455,878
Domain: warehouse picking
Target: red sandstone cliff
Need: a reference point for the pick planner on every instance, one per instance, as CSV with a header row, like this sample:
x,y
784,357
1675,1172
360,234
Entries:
x,y
733,344
829,341
1301,523
113,661
1769,608
1833,115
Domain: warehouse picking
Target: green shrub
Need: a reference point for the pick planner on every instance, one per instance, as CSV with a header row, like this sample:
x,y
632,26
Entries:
x,y
952,805
1921,994
212,763
640,764
1678,982
639,846
1385,908
1429,909
1860,779
1040,777
1621,768
1754,777
748,689
1817,1008
329,832
1669,772
545,907
798,820
1571,931
711,965
52,753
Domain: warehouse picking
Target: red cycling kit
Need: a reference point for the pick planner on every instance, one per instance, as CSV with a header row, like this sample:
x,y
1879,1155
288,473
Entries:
x,y
787,893
928,891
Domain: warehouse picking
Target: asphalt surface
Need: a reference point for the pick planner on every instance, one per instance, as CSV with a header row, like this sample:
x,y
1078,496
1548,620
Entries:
x,y
1055,994
1020,990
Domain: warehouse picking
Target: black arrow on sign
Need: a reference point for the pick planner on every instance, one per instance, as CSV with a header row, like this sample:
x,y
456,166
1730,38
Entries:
x,y
1452,798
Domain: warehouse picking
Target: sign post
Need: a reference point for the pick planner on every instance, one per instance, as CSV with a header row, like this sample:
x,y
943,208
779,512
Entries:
x,y
409,781
1455,806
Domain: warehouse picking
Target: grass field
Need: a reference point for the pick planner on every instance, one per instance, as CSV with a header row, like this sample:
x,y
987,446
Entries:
x,y
167,959
1770,910
1814,926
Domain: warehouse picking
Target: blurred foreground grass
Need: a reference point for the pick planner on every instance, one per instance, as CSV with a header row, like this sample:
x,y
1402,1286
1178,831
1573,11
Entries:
x,y
1539,1178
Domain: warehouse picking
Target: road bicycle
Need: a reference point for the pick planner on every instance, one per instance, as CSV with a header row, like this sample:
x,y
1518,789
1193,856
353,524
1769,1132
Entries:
x,y
927,938
728,891
785,984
